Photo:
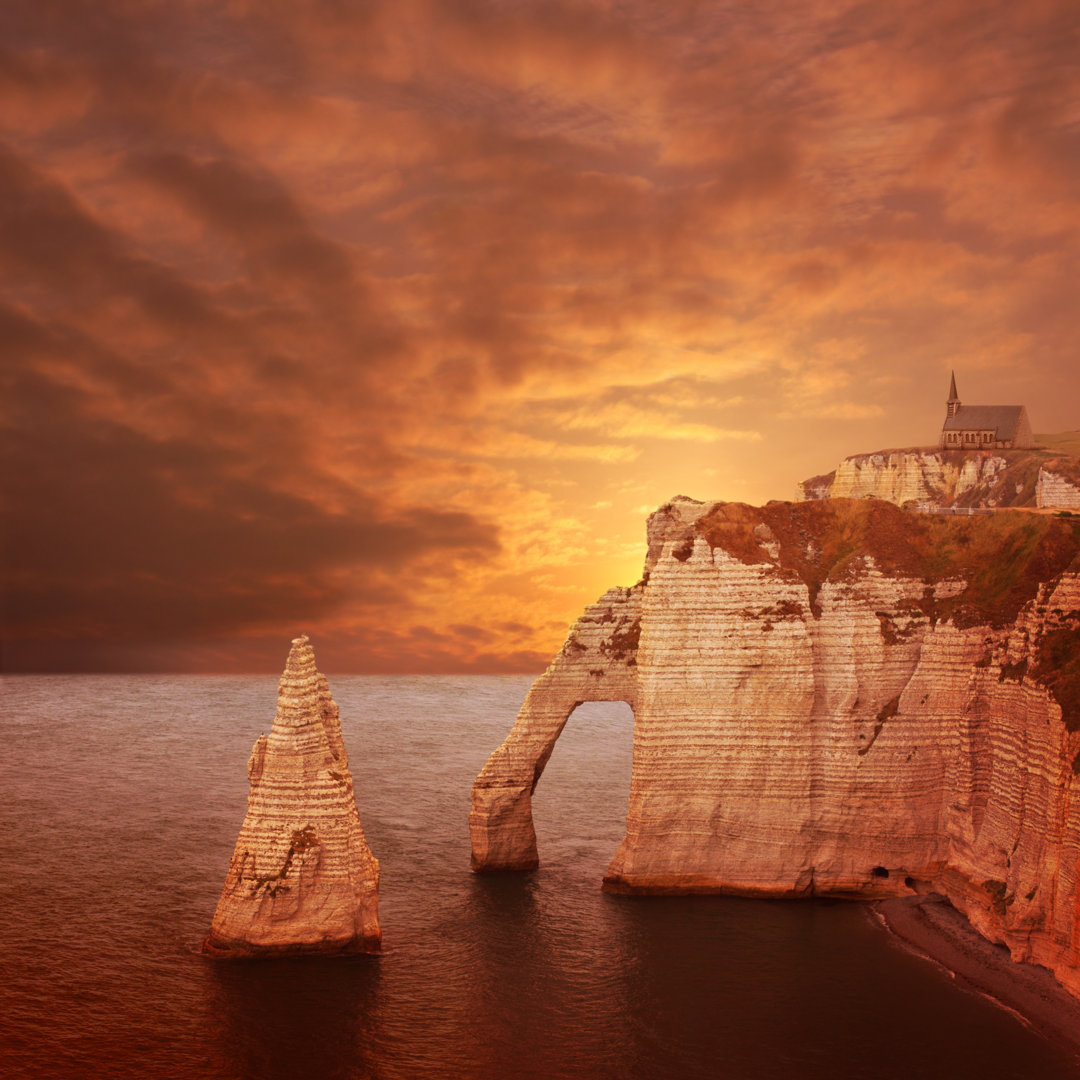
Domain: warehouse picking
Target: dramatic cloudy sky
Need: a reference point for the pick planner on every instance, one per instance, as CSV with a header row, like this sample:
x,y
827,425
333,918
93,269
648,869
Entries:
x,y
391,320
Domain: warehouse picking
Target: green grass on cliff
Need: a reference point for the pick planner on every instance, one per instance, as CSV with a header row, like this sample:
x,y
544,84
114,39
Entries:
x,y
1016,484
1064,442
1003,556
1058,669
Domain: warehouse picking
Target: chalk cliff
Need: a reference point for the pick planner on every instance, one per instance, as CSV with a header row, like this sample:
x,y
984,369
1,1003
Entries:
x,y
1055,490
987,478
833,698
302,877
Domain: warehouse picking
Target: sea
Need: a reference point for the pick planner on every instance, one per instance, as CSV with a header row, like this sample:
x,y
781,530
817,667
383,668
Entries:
x,y
120,801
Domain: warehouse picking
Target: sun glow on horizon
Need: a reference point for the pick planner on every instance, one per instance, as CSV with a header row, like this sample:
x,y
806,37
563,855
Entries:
x,y
399,332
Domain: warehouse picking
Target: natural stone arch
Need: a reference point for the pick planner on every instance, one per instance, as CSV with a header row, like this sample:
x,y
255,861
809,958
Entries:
x,y
598,662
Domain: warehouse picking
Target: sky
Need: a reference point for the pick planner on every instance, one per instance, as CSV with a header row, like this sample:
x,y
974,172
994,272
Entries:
x,y
391,322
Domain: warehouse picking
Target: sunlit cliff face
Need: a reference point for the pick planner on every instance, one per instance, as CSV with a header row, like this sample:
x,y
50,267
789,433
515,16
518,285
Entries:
x,y
389,324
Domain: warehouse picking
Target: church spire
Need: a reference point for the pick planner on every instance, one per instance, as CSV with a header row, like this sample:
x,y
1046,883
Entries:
x,y
954,398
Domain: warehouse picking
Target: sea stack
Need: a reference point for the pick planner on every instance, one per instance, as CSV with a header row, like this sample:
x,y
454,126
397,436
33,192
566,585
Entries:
x,y
302,878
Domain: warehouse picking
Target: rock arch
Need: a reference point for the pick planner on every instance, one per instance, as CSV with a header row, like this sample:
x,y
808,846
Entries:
x,y
598,662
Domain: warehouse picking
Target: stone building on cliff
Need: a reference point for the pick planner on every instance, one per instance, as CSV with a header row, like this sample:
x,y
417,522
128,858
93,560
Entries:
x,y
991,427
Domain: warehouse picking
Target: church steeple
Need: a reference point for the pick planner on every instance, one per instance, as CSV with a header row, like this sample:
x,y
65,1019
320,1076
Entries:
x,y
954,398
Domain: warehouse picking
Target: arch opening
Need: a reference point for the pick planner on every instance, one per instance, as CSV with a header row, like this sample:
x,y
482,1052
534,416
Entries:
x,y
580,802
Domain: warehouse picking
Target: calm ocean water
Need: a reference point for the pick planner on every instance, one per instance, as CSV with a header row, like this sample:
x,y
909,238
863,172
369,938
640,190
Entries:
x,y
120,800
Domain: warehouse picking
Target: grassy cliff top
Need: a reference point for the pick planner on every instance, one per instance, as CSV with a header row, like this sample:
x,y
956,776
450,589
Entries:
x,y
1064,442
1003,557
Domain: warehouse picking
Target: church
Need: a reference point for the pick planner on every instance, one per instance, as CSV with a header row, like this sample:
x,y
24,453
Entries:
x,y
990,427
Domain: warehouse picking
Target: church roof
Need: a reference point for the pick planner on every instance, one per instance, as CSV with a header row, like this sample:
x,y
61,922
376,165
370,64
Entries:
x,y
1004,419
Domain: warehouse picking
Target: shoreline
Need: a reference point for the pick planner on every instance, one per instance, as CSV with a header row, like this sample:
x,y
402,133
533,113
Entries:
x,y
929,926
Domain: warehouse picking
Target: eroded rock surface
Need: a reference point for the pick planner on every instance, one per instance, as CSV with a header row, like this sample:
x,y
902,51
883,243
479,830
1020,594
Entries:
x,y
834,698
597,663
952,478
1054,490
302,877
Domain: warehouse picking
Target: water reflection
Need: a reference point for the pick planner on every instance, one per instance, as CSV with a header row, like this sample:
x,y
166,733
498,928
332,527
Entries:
x,y
774,989
484,978
516,978
307,1016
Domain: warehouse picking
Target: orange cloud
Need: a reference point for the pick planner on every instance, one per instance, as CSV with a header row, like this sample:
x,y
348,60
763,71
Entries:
x,y
386,320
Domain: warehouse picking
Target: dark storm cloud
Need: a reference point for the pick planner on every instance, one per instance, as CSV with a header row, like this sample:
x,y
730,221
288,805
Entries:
x,y
254,211
48,239
116,535
311,280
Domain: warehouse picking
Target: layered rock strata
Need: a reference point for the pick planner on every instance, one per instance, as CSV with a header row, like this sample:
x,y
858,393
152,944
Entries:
x,y
302,877
833,698
950,478
1055,491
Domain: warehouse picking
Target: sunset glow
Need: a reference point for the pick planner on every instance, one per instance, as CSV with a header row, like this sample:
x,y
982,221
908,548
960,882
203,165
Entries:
x,y
392,324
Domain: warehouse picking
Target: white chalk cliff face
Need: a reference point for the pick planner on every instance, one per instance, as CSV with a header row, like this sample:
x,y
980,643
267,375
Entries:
x,y
988,478
833,698
302,877
1055,490
922,477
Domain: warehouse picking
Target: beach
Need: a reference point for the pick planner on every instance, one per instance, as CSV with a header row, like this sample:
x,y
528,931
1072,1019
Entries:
x,y
931,927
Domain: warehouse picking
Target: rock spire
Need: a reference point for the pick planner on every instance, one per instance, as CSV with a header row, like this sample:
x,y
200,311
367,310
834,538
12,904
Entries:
x,y
302,877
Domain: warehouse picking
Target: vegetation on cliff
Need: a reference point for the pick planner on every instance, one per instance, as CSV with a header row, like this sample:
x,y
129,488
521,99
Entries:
x,y
1064,442
1058,669
1002,558
1016,484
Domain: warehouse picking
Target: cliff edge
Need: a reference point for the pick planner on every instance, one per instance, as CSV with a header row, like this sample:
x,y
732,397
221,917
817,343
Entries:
x,y
302,878
833,698
994,479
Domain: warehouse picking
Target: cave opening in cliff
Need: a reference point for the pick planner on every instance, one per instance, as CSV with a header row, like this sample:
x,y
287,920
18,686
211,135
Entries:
x,y
579,806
